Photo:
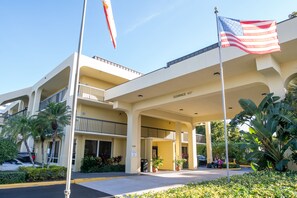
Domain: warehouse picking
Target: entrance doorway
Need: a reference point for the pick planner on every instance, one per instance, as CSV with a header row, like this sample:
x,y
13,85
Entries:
x,y
155,152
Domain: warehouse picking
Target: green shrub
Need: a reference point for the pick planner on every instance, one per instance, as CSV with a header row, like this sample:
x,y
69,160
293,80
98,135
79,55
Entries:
x,y
44,174
257,184
231,165
10,177
92,164
8,150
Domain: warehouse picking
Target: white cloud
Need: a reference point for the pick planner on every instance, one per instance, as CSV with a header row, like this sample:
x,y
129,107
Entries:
x,y
147,19
142,22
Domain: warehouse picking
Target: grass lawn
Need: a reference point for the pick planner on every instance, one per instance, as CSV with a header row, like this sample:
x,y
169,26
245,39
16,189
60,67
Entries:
x,y
257,184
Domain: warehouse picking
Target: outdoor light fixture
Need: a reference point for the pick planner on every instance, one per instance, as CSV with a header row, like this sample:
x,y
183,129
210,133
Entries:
x,y
263,94
230,108
181,109
140,96
216,73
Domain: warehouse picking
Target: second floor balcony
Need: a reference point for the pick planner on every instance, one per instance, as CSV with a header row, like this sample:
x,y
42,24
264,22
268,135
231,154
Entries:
x,y
91,125
200,139
91,93
57,97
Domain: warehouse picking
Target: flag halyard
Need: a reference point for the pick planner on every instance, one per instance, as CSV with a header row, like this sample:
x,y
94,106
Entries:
x,y
254,37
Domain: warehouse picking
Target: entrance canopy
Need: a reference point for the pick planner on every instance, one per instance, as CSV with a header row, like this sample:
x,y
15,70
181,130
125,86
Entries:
x,y
190,86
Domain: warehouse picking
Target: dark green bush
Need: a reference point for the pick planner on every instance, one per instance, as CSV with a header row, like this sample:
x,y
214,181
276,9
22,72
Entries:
x,y
10,177
231,165
92,164
44,174
8,150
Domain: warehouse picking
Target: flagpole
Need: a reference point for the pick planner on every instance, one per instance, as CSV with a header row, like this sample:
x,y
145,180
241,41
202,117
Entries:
x,y
74,104
223,93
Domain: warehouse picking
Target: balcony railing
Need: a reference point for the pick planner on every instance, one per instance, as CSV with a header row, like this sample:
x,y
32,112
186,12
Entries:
x,y
157,133
116,128
200,139
5,116
57,97
100,126
91,93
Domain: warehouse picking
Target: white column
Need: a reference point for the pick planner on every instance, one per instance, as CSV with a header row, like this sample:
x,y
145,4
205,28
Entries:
x,y
69,101
133,142
192,148
149,153
21,105
36,103
208,142
178,140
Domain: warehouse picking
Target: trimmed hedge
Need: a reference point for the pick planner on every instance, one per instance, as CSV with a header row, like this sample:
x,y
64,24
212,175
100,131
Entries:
x,y
10,177
231,165
92,164
107,168
44,174
258,184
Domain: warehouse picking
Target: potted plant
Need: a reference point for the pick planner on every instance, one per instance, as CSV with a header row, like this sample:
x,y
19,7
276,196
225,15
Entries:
x,y
156,163
179,164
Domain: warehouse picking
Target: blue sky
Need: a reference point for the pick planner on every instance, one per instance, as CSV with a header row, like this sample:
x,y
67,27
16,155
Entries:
x,y
37,35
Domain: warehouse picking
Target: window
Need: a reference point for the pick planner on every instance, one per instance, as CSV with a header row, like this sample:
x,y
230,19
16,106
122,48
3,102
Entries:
x,y
91,148
104,149
74,152
55,157
97,148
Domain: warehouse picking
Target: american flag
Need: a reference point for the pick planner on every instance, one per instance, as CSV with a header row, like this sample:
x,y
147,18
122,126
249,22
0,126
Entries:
x,y
254,37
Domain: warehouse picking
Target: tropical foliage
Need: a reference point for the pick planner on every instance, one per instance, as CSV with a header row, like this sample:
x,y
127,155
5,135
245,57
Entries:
x,y
19,128
41,131
8,150
272,131
157,162
45,124
56,115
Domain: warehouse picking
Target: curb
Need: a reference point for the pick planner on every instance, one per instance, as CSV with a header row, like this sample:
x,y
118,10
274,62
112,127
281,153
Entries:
x,y
49,183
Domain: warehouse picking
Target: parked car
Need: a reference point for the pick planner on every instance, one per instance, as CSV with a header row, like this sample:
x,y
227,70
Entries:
x,y
24,156
13,165
201,159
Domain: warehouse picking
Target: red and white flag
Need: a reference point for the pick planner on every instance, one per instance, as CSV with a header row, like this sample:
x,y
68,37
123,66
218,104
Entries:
x,y
254,37
110,21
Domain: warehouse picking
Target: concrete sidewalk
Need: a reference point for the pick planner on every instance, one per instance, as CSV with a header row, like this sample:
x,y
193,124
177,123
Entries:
x,y
163,180
120,184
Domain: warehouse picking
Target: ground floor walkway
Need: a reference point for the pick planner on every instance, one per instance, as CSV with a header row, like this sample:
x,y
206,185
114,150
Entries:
x,y
146,182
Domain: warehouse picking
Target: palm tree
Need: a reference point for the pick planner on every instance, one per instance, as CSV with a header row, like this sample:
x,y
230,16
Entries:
x,y
40,132
19,128
56,115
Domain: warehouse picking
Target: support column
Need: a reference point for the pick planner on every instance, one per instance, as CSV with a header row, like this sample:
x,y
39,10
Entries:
x,y
178,140
21,105
133,142
208,142
192,148
31,102
149,153
36,103
69,101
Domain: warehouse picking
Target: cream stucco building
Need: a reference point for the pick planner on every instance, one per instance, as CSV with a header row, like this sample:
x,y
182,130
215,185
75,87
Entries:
x,y
122,112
